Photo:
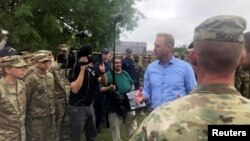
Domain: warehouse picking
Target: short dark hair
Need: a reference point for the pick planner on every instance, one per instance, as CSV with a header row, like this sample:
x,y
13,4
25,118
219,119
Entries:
x,y
116,57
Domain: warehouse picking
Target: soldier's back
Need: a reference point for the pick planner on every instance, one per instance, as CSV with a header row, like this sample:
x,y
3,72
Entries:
x,y
187,118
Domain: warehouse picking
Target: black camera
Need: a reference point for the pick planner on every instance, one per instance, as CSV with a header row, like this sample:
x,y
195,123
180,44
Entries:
x,y
70,58
84,51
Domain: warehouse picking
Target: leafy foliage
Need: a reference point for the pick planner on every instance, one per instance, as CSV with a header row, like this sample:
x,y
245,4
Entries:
x,y
44,24
181,49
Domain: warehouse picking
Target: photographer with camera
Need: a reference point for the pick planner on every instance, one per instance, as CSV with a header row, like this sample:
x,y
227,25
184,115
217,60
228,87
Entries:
x,y
82,94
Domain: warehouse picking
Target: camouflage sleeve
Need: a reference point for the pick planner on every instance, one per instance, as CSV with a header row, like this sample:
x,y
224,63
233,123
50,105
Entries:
x,y
60,93
238,80
242,83
168,124
29,82
149,128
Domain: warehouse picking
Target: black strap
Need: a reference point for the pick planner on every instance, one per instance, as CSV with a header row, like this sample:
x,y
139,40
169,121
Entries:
x,y
126,75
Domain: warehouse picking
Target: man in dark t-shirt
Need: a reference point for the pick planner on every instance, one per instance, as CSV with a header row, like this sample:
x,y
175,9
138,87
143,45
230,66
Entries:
x,y
100,100
82,93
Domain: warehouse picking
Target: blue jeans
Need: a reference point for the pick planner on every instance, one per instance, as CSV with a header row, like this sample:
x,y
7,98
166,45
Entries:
x,y
82,118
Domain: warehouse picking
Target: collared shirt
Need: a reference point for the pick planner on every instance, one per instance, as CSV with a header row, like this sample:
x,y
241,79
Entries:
x,y
166,82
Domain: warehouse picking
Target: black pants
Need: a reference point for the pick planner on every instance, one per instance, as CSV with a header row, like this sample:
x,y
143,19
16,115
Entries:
x,y
82,119
100,108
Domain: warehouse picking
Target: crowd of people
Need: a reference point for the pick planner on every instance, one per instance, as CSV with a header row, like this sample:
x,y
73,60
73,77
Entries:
x,y
43,101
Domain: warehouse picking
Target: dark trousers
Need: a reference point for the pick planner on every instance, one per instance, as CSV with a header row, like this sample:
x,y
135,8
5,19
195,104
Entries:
x,y
100,108
82,119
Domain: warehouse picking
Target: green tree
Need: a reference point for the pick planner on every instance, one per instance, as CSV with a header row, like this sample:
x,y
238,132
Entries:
x,y
181,49
44,24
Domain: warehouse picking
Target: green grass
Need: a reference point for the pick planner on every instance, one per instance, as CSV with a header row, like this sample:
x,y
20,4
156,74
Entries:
x,y
106,133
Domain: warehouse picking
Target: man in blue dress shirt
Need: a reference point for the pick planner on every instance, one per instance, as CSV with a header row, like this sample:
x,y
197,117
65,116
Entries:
x,y
167,78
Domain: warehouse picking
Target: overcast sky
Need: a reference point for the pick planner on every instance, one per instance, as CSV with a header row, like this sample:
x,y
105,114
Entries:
x,y
180,17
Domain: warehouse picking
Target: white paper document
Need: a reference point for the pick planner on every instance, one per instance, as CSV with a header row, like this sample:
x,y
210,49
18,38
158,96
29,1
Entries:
x,y
132,102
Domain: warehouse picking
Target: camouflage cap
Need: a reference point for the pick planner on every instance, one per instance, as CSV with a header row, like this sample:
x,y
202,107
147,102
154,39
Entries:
x,y
44,51
41,57
226,28
13,61
63,47
33,55
24,56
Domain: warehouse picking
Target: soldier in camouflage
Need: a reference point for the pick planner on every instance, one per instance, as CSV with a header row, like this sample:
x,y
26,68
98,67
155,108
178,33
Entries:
x,y
12,99
246,62
32,66
242,81
60,96
63,94
215,100
26,58
242,78
40,115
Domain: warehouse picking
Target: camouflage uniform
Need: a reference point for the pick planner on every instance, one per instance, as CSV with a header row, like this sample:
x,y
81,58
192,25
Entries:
x,y
62,118
12,111
242,82
61,91
13,104
40,118
192,113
